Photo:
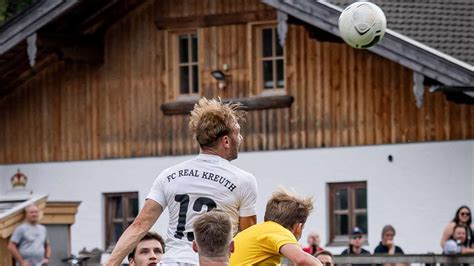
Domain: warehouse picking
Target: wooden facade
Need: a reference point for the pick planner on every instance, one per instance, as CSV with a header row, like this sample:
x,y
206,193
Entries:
x,y
342,96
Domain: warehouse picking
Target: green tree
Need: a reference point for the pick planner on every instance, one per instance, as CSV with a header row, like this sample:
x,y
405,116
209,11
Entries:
x,y
10,8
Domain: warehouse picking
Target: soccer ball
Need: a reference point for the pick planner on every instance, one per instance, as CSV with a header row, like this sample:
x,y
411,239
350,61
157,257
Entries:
x,y
362,24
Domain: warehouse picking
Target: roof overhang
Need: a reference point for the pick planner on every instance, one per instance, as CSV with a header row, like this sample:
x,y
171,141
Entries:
x,y
11,217
394,46
30,20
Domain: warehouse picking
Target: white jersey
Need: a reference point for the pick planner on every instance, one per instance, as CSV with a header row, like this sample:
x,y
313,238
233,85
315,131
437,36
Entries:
x,y
194,187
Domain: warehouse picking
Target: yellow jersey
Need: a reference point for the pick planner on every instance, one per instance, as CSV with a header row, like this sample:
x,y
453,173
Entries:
x,y
260,244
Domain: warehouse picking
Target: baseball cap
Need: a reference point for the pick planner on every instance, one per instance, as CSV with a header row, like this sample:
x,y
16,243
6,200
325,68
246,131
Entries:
x,y
357,230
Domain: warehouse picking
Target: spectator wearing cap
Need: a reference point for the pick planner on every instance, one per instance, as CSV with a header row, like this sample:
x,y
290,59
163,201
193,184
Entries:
x,y
387,245
355,243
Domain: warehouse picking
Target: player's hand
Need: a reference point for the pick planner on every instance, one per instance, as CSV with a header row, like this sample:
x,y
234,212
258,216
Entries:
x,y
45,261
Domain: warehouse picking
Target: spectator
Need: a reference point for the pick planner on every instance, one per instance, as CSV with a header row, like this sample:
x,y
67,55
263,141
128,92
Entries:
x,y
313,244
455,245
355,243
387,246
325,257
266,243
463,217
148,251
213,238
29,243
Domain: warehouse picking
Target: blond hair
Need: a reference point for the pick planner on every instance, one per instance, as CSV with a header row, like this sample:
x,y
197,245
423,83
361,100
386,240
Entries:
x,y
213,233
287,209
212,119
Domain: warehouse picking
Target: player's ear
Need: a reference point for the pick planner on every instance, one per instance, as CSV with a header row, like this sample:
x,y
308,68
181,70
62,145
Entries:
x,y
231,246
195,248
226,140
131,261
297,230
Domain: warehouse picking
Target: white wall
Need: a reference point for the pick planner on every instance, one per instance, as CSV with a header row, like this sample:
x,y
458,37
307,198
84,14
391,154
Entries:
x,y
417,193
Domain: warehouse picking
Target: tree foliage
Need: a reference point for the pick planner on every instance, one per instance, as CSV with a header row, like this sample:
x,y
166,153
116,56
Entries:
x,y
9,8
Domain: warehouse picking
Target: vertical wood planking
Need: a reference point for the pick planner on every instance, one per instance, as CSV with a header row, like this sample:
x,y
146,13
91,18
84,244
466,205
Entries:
x,y
343,96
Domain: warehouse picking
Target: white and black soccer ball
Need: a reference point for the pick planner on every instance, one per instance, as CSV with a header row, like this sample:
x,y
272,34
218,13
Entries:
x,y
362,24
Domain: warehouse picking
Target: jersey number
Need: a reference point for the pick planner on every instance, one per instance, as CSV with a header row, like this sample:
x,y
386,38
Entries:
x,y
183,200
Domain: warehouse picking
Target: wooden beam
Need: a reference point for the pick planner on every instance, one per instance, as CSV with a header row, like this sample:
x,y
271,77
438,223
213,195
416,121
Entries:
x,y
399,258
6,258
214,20
77,48
110,13
60,212
321,35
248,104
10,83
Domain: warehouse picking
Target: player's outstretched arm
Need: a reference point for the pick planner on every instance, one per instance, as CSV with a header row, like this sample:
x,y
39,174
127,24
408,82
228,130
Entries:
x,y
246,222
134,233
294,253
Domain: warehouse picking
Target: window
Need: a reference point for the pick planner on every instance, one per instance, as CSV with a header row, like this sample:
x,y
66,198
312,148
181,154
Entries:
x,y
348,208
185,62
120,211
270,59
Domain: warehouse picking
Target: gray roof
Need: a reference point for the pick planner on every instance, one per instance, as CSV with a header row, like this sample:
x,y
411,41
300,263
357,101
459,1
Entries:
x,y
445,25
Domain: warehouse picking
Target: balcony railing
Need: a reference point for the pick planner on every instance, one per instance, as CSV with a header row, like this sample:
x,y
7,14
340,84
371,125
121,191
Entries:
x,y
399,259
405,259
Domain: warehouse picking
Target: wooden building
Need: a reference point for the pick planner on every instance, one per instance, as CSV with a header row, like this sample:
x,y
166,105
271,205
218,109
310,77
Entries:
x,y
94,80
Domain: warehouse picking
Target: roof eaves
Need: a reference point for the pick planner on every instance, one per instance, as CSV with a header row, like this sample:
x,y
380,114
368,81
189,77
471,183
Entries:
x,y
413,41
31,20
394,46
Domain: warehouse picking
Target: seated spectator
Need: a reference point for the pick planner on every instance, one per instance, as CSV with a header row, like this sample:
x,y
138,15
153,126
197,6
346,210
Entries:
x,y
213,238
455,245
355,243
313,244
325,257
148,251
266,243
462,217
387,246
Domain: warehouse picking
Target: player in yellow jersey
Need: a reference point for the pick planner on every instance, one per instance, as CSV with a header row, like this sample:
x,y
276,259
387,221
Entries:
x,y
266,243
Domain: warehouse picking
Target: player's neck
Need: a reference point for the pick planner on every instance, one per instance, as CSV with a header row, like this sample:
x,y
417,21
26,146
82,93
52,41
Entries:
x,y
217,261
211,151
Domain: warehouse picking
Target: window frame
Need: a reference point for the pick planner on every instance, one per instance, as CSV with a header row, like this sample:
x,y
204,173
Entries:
x,y
256,59
335,239
174,64
109,212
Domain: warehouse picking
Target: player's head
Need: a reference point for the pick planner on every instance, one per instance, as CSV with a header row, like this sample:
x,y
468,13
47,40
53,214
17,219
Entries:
x,y
213,235
325,257
215,125
290,211
148,251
